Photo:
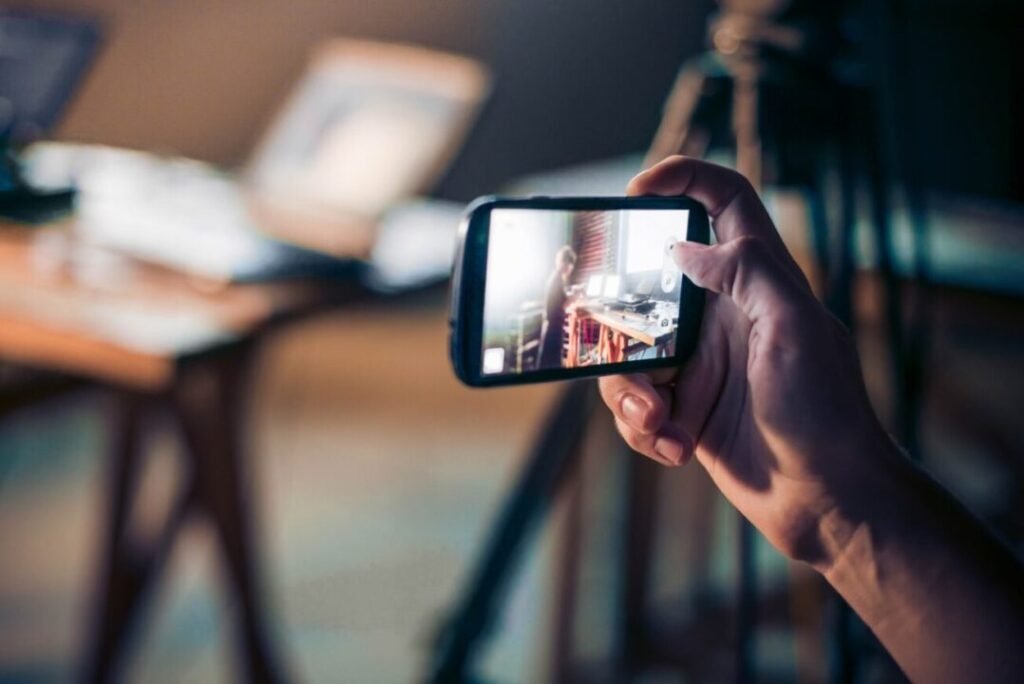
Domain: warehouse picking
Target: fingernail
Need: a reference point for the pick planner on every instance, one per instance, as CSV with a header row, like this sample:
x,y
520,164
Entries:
x,y
669,449
633,410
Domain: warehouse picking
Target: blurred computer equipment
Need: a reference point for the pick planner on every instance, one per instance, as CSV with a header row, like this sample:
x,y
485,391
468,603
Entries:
x,y
42,60
370,127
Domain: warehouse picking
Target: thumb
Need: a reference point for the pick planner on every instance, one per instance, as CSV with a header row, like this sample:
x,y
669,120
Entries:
x,y
744,270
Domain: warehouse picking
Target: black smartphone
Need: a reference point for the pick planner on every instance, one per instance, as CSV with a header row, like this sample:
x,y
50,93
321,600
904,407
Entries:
x,y
551,288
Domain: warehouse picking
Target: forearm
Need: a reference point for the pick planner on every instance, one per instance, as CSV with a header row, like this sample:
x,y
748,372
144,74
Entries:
x,y
940,593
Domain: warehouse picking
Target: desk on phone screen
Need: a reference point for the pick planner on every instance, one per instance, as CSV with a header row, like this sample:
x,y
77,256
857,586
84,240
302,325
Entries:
x,y
617,330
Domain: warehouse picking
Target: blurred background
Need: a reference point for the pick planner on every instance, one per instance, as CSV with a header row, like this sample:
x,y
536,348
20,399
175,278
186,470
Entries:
x,y
248,457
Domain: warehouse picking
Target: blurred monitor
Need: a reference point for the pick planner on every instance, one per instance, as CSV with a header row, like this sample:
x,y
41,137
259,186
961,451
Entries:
x,y
611,286
42,58
369,126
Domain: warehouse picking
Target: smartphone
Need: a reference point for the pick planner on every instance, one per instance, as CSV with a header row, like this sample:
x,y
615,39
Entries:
x,y
551,288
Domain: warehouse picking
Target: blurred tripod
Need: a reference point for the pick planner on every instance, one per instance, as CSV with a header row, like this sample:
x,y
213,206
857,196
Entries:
x,y
800,95
782,89
803,92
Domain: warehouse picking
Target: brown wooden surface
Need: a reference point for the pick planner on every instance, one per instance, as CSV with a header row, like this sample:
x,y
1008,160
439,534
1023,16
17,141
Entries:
x,y
630,325
106,317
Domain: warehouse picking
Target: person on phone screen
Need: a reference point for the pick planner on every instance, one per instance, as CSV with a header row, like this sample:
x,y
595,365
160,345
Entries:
x,y
773,406
556,296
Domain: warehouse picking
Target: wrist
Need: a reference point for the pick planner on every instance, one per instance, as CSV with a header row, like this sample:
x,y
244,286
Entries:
x,y
860,501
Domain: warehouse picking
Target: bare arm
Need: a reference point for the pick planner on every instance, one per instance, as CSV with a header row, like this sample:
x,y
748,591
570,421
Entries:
x,y
940,593
773,406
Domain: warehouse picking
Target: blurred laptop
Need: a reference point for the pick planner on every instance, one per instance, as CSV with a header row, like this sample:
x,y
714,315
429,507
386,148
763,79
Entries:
x,y
337,180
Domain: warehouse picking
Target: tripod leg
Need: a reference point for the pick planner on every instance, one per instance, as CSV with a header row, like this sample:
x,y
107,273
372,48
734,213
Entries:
x,y
839,296
678,132
746,602
817,218
882,227
567,574
892,63
750,163
548,465
745,125
916,345
916,341
637,553
843,659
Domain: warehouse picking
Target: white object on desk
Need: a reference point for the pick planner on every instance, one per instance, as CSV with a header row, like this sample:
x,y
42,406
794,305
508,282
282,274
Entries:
x,y
189,217
174,212
611,286
415,244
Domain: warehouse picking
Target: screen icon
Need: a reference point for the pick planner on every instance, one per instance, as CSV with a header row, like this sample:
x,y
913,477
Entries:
x,y
494,360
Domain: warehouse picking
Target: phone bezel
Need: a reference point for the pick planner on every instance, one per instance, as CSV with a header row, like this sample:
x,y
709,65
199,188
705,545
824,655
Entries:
x,y
469,281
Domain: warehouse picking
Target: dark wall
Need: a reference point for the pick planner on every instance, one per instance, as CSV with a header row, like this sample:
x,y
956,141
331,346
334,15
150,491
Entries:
x,y
967,94
577,80
585,80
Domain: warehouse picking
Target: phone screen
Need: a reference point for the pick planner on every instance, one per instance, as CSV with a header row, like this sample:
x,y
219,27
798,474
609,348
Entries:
x,y
578,289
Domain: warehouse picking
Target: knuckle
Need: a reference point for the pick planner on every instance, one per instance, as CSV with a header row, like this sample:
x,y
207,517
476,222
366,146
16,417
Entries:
x,y
612,390
751,256
743,185
735,186
699,267
658,179
739,184
636,186
636,441
746,255
749,248
606,387
775,343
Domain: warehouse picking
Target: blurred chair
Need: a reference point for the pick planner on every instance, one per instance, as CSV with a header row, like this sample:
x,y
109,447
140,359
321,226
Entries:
x,y
529,324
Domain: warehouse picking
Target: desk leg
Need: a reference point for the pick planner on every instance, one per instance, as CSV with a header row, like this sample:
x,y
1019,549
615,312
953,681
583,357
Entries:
x,y
208,405
210,413
130,563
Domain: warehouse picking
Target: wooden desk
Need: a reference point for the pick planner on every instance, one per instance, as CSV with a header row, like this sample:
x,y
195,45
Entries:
x,y
158,341
617,329
116,320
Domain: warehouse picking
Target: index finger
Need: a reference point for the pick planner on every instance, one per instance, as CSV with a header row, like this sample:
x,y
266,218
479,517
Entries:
x,y
728,196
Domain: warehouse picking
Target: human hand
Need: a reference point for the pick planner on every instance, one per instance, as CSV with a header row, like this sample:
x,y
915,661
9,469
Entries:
x,y
772,403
